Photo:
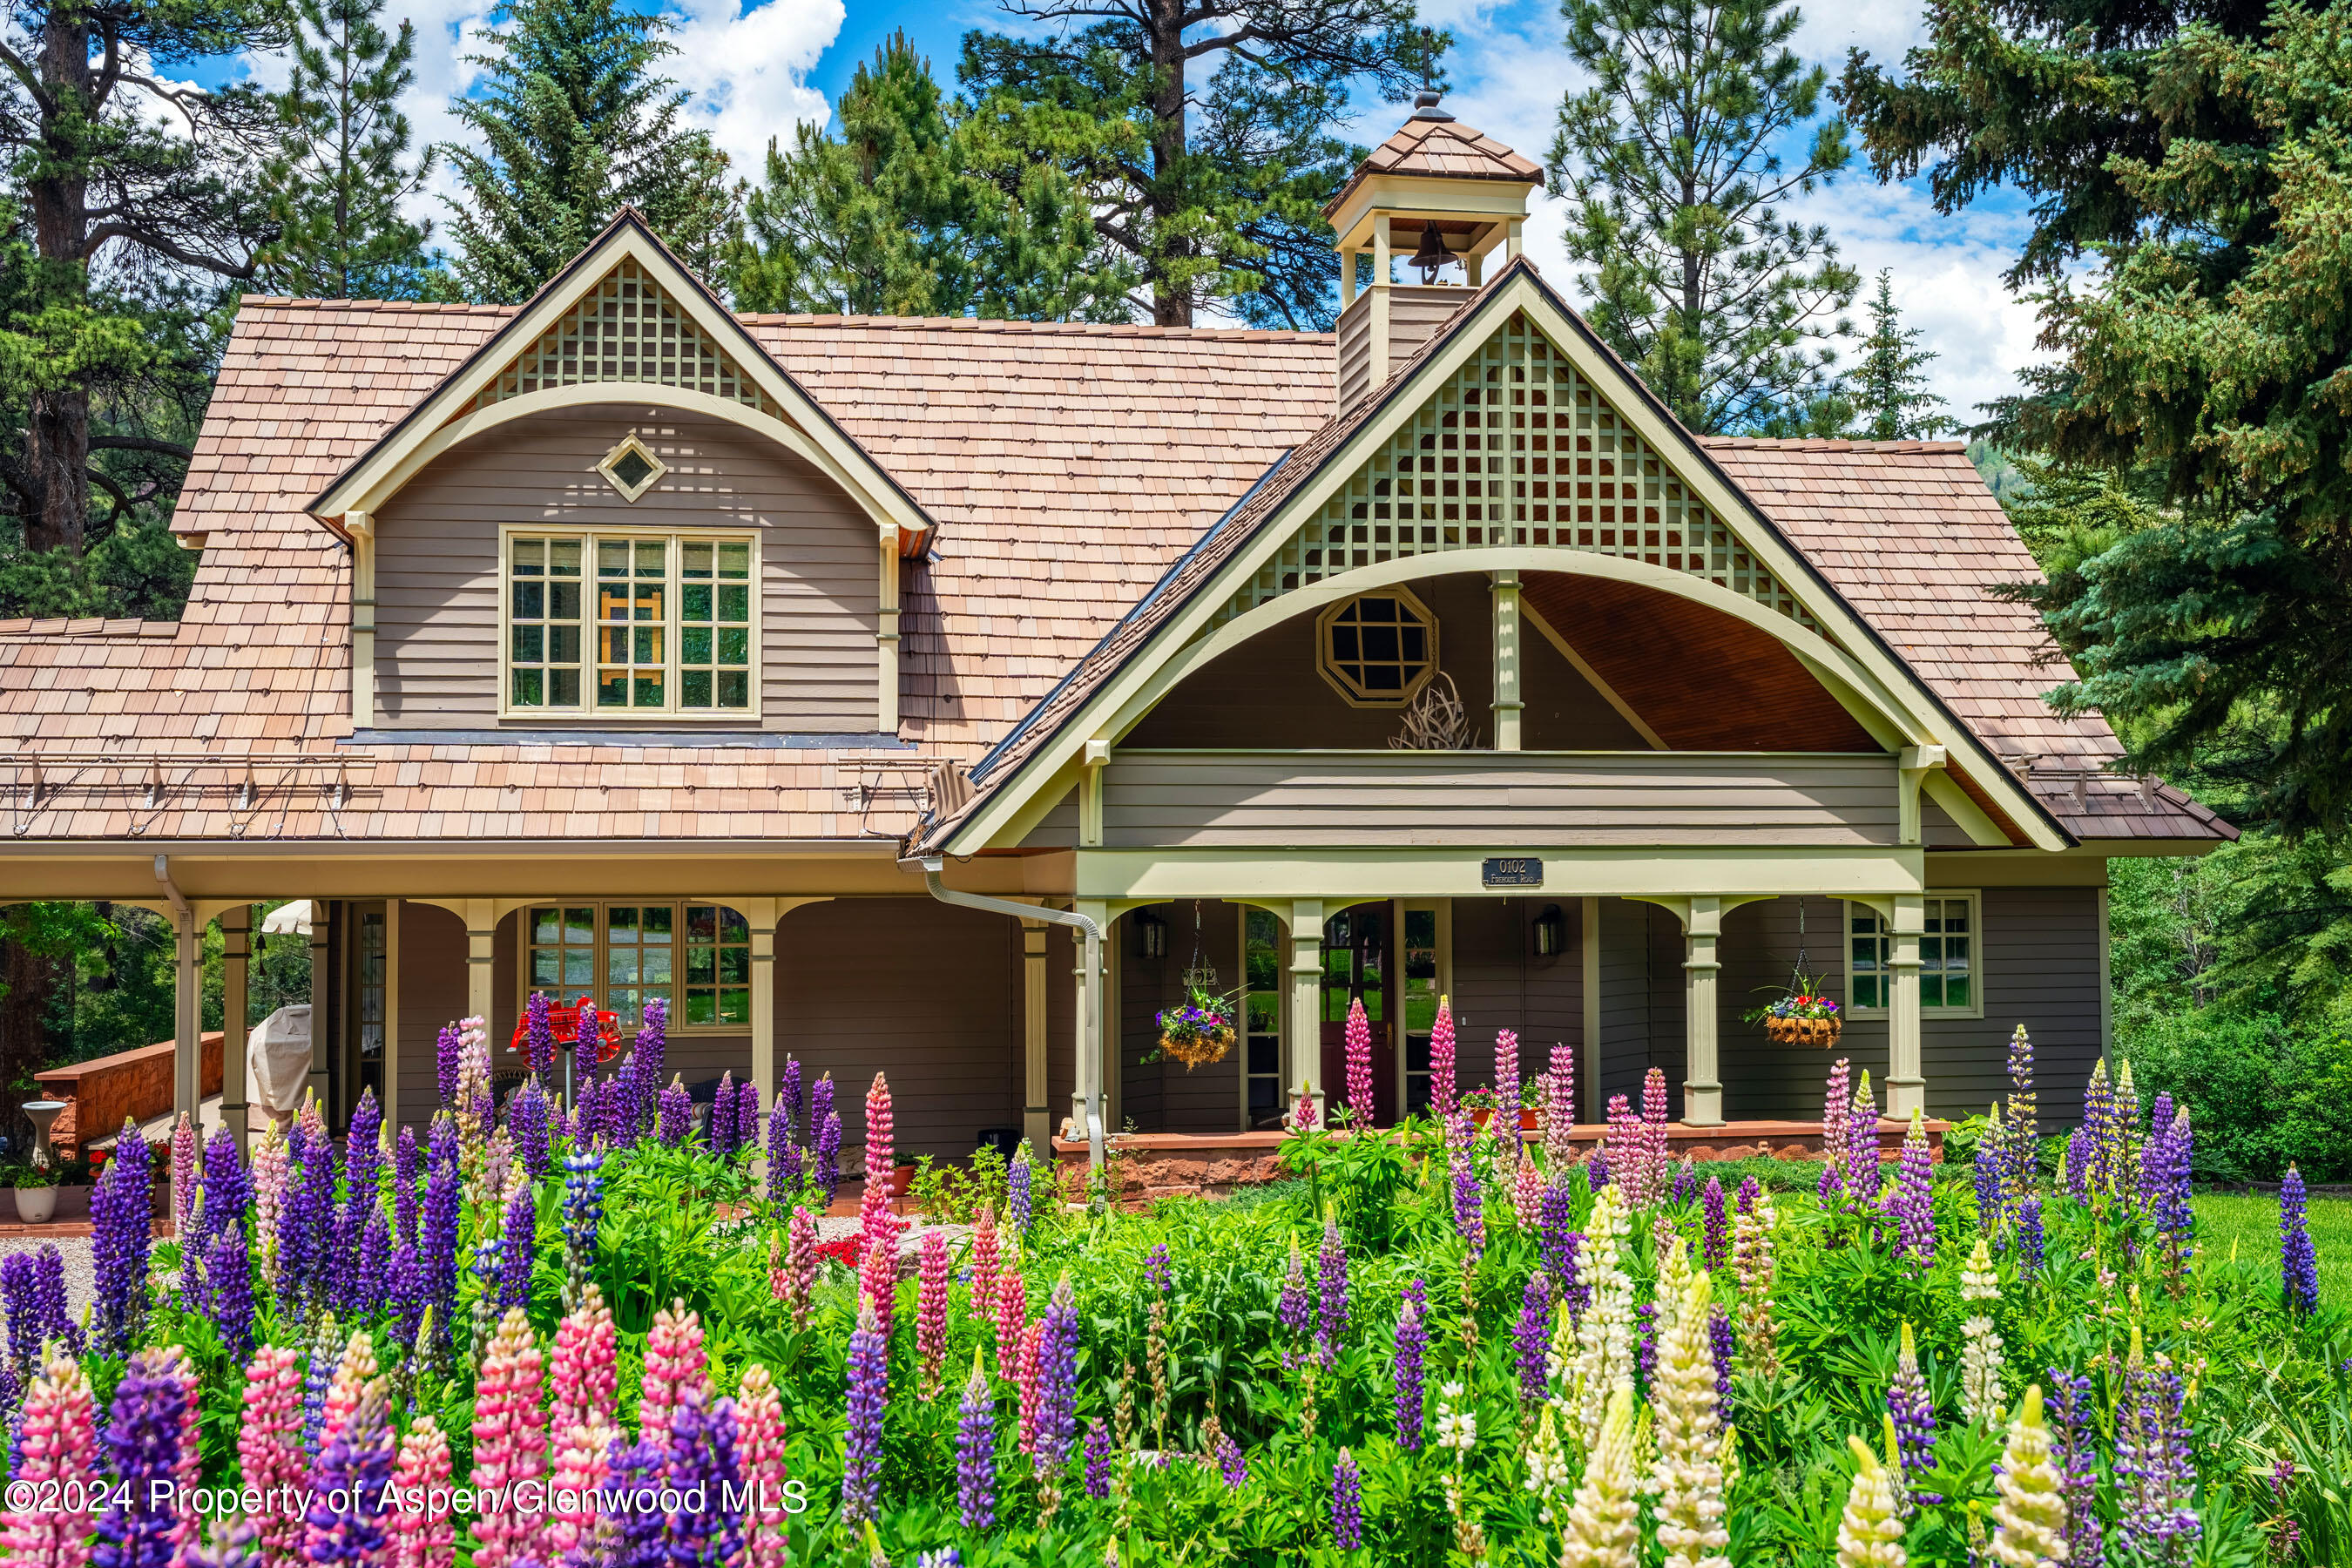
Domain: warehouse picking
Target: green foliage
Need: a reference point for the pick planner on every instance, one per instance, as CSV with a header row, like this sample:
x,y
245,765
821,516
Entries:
x,y
955,1194
1889,383
1193,198
343,169
1697,281
576,122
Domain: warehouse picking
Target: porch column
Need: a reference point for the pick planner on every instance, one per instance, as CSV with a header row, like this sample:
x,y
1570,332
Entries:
x,y
1302,1043
236,946
1507,661
480,916
1087,1086
763,1017
1037,1129
1906,1089
321,990
188,1020
1702,1089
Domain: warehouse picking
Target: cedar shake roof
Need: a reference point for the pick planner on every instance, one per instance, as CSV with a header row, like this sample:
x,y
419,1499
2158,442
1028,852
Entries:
x,y
1069,467
1441,149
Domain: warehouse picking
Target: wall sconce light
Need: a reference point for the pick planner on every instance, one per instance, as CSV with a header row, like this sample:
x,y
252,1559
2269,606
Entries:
x,y
1551,932
1153,933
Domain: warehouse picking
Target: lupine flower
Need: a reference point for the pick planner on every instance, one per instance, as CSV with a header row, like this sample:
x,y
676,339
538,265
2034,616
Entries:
x,y
652,1047
788,1098
1507,1079
1346,1503
1332,1312
1548,1471
702,1464
1232,1465
143,1446
446,1049
1911,1202
229,1280
878,1279
351,1373
583,1373
826,1176
1559,1116
520,1243
674,1362
1602,1528
1024,1379
303,1224
2125,1125
2298,1261
636,1539
1753,1263
346,1523
2155,1461
1555,1242
723,1116
228,1191
1407,1378
674,1114
2024,1114
797,1276
477,1113
509,1440
1017,1180
2031,1243
121,1225
318,1376
747,1117
1837,1113
583,1215
759,1449
1596,1170
437,1227
424,1537
2164,1177
530,1114
1723,1346
976,1451
1012,1311
2030,1520
870,1393
269,1441
1913,1411
1862,1161
1097,1460
1291,1308
20,1290
1604,1333
2075,1425
57,1441
1527,1192
1359,1064
931,1309
874,1219
1529,1337
783,1156
1057,1379
1981,1360
184,1145
1440,1062
1870,1533
408,1168
1469,1204
1716,1224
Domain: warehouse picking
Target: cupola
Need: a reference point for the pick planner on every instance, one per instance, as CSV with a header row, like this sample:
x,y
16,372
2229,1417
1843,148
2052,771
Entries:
x,y
1438,197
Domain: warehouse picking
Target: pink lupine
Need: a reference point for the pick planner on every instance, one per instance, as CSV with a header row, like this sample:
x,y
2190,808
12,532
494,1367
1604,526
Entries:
x,y
582,1372
582,1464
675,1360
873,1217
877,1278
793,1280
984,1260
759,1456
1527,1194
1837,1108
183,1177
1654,1130
270,1449
423,1535
1559,1101
1626,1148
1012,1311
931,1309
509,1443
1507,1079
1441,1061
1025,1377
1359,1064
353,1372
271,1161
312,1119
58,1442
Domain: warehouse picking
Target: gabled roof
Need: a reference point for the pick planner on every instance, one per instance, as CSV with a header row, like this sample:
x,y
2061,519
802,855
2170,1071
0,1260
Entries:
x,y
1440,149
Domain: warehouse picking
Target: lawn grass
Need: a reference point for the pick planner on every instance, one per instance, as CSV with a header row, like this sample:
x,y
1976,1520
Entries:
x,y
2251,1225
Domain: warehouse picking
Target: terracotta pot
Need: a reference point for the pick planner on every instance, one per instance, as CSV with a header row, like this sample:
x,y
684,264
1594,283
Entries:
x,y
35,1204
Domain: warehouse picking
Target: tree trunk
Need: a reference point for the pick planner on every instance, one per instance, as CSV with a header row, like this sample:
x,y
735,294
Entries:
x,y
1172,305
28,977
57,442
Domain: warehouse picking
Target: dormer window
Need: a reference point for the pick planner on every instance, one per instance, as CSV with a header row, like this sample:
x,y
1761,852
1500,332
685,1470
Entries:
x,y
642,625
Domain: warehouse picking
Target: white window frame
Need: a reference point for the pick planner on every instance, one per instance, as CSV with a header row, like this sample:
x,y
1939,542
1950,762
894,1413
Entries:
x,y
598,985
1974,899
670,712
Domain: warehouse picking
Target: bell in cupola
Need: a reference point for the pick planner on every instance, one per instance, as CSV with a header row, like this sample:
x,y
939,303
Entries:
x,y
1432,254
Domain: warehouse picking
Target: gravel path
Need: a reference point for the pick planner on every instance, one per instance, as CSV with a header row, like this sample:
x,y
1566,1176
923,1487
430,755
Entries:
x,y
75,1249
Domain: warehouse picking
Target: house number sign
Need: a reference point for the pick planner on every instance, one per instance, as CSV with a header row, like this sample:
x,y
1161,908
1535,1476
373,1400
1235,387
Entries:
x,y
1512,871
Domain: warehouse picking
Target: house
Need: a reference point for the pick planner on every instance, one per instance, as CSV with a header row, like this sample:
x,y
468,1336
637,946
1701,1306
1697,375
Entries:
x,y
945,697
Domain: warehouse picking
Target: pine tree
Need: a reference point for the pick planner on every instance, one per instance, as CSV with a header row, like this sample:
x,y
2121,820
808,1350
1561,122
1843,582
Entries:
x,y
1213,198
1696,281
337,182
1888,386
576,123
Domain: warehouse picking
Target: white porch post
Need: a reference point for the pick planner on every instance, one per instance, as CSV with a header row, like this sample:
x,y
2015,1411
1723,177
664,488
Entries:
x,y
1087,1086
188,1017
1702,1089
1302,1042
236,945
481,919
1036,1113
1907,1088
321,986
1508,704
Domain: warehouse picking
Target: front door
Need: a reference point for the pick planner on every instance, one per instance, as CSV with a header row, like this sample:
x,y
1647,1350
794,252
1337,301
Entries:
x,y
1356,952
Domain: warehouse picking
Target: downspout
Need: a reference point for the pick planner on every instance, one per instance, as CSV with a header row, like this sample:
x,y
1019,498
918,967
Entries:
x,y
1091,934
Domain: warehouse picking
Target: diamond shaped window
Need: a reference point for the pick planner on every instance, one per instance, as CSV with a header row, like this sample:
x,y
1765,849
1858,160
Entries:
x,y
631,469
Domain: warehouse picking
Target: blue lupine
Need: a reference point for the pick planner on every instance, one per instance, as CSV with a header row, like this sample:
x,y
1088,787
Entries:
x,y
407,1168
346,1523
122,1213
438,1228
228,1285
142,1438
702,1456
518,1246
2298,1261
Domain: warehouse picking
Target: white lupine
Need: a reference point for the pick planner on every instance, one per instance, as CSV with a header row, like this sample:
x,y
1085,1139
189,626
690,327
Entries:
x,y
1603,1527
1604,1338
1456,1428
1980,1358
1674,1270
2029,1527
1689,1475
1869,1535
1548,1468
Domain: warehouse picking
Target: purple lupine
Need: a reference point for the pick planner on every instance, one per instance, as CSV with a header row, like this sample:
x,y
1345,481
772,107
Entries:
x,y
446,1048
788,1100
826,1176
1556,1245
747,1117
438,1227
142,1436
1596,1170
20,1292
702,1463
1716,1249
1412,1347
1574,1289
976,1452
1913,1410
633,1468
1331,1302
2093,1172
1646,1344
1018,1198
374,1270
1751,1189
363,1160
2030,1240
1911,1202
404,1293
346,1523
1232,1465
1346,1503
408,1168
653,1045
1291,1310
1985,1170
2155,1464
1155,1269
868,1395
674,1118
318,1376
2073,1426
304,1220
56,1319
2298,1262
1723,1346
2165,1166
1532,1337
1469,1204
1684,1177
530,1115
783,1158
122,1227
228,1190
228,1284
539,1034
1097,1460
1862,1160
722,1115
517,1247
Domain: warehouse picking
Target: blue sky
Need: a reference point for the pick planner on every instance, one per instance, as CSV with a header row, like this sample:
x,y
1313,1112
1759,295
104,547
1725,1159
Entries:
x,y
758,69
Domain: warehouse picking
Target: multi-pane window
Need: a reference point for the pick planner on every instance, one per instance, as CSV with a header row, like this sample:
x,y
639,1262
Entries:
x,y
631,624
1379,649
696,959
1950,980
1422,991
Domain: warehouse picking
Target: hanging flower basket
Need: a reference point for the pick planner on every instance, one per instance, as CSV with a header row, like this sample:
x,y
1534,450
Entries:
x,y
1198,1032
1800,1016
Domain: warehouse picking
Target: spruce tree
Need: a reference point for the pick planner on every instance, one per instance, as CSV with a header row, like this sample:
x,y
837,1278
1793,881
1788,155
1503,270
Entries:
x,y
337,183
1722,305
1201,195
1889,386
576,123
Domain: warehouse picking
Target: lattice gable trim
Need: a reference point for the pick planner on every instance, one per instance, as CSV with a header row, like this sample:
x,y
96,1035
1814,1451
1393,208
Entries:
x,y
1516,448
628,328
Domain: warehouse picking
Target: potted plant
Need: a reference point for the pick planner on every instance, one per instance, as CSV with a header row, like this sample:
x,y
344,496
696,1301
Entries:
x,y
36,1194
1198,1031
1480,1104
1800,1016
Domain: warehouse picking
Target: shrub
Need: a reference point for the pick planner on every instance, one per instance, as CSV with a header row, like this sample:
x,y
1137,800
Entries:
x,y
2260,1093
